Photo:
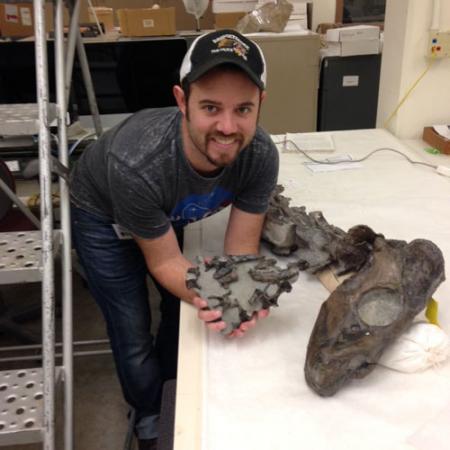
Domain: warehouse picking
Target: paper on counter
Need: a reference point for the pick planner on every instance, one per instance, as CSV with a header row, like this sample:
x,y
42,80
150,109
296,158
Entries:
x,y
278,138
344,163
315,167
310,142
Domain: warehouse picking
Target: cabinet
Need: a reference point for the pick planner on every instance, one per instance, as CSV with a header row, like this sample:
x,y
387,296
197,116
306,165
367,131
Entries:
x,y
348,94
292,81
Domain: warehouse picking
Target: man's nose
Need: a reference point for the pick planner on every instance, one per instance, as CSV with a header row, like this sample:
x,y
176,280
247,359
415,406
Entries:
x,y
227,123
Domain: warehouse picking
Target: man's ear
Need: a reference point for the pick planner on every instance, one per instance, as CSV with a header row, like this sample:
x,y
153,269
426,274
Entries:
x,y
180,98
263,96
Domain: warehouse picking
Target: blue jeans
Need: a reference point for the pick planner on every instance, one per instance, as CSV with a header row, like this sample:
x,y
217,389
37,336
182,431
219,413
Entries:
x,y
116,275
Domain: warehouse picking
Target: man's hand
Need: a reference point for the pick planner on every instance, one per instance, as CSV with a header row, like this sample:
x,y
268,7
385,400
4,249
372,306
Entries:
x,y
211,317
213,322
245,326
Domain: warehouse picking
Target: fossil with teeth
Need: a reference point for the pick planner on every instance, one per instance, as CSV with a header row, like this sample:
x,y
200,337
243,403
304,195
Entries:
x,y
241,285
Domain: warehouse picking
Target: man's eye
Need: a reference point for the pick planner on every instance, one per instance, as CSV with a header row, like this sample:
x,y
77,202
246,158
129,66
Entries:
x,y
210,108
244,110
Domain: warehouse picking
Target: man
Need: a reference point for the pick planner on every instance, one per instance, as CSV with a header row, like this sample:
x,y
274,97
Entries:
x,y
150,176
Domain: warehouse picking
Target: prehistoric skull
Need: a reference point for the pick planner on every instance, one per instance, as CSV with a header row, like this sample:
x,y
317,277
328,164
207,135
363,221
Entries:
x,y
370,310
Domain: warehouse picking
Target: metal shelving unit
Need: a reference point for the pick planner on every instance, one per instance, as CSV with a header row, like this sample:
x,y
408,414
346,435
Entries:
x,y
22,119
22,393
27,396
20,256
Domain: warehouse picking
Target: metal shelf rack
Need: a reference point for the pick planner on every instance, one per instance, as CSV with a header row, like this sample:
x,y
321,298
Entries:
x,y
27,396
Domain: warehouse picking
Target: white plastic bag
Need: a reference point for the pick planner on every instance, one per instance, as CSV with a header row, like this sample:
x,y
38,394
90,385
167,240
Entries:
x,y
272,16
424,345
197,8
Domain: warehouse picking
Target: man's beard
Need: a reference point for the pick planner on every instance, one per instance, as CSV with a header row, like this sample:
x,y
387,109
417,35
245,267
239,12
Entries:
x,y
202,147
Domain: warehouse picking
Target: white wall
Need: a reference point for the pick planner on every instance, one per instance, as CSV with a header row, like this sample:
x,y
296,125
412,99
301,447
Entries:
x,y
324,11
404,59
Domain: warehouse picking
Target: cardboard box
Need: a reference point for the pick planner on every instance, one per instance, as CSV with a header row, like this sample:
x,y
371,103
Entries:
x,y
355,33
351,48
184,21
147,21
16,19
430,136
227,20
104,15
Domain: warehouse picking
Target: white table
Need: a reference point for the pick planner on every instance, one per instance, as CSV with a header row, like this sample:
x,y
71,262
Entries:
x,y
250,393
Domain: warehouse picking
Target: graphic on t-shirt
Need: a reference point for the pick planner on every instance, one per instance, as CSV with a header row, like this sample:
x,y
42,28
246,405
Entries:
x,y
198,206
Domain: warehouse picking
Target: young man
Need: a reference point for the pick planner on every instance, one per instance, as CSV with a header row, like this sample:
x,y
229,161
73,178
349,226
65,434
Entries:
x,y
153,174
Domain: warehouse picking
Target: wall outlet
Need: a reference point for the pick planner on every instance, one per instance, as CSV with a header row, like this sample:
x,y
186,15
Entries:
x,y
439,46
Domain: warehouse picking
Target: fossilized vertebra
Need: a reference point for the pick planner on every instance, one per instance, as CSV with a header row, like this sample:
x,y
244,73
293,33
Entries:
x,y
316,243
239,286
369,310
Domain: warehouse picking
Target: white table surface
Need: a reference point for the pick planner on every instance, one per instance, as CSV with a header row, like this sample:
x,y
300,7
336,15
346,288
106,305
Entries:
x,y
250,393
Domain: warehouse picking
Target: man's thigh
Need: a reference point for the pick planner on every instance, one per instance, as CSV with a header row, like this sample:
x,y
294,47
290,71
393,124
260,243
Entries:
x,y
115,270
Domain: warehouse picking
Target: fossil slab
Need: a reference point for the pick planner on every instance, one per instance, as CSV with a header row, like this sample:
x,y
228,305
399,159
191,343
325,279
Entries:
x,y
370,310
316,243
239,286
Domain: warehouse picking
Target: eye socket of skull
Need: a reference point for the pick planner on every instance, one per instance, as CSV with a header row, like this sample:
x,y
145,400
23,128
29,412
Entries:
x,y
380,307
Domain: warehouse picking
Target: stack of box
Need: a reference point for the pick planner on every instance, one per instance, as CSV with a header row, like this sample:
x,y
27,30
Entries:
x,y
356,40
16,20
103,15
147,21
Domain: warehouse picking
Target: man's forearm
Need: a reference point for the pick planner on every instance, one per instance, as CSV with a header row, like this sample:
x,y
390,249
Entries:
x,y
243,233
172,275
166,263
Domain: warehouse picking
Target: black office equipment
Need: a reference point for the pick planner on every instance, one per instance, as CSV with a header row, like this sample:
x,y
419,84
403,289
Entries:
x,y
127,75
348,92
360,11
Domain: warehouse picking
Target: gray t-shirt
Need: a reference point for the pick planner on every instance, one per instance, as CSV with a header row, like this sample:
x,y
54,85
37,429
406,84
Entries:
x,y
137,175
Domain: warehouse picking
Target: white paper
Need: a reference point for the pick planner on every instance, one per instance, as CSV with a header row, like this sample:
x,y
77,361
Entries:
x,y
315,167
338,158
25,15
350,80
310,142
278,138
11,13
13,166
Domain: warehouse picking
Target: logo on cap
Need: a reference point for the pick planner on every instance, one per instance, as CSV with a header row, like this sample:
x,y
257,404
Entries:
x,y
230,43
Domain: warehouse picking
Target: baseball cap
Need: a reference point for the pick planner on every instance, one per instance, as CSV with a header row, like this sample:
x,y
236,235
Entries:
x,y
224,47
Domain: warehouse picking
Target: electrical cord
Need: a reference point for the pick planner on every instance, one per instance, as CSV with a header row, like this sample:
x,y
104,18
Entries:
x,y
433,166
408,92
79,141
